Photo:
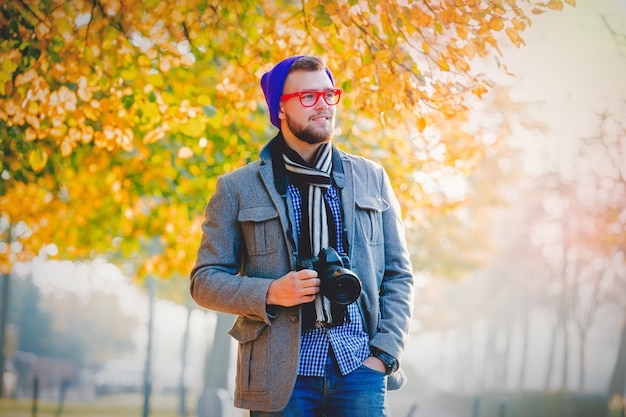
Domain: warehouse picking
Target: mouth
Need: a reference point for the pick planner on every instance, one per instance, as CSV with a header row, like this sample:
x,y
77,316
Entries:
x,y
322,118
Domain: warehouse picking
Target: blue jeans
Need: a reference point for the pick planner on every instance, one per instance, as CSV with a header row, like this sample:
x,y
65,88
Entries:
x,y
360,393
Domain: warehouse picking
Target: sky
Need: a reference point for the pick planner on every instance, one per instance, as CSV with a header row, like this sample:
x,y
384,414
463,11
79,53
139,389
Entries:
x,y
89,279
570,69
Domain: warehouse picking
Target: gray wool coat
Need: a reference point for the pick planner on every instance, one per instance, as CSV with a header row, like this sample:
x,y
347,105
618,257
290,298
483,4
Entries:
x,y
246,243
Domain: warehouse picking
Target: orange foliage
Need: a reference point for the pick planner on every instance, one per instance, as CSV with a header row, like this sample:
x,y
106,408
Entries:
x,y
116,116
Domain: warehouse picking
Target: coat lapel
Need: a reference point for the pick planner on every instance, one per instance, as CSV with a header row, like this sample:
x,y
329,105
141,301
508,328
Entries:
x,y
344,180
267,177
347,201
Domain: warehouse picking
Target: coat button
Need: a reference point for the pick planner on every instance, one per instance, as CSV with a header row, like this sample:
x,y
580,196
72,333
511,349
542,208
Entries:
x,y
293,319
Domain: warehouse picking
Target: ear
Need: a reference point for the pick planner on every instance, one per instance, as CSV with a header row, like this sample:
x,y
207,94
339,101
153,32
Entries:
x,y
281,112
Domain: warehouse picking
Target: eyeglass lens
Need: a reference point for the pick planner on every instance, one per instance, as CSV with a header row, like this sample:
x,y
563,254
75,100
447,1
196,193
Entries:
x,y
311,98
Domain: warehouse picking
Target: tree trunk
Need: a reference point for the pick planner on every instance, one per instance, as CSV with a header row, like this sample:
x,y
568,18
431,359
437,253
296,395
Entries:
x,y
618,380
581,361
552,349
565,353
487,364
524,359
147,376
4,318
182,401
504,356
560,325
218,361
469,377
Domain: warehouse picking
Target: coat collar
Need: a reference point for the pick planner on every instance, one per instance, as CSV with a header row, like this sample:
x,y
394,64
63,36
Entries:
x,y
271,152
342,177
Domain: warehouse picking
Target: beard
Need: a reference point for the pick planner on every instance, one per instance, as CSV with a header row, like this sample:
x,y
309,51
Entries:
x,y
312,135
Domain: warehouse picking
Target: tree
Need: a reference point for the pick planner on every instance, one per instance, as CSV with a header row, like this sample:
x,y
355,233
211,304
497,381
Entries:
x,y
117,116
86,328
607,240
36,332
121,114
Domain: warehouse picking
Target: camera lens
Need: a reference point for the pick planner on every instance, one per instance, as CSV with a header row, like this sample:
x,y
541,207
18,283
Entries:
x,y
340,285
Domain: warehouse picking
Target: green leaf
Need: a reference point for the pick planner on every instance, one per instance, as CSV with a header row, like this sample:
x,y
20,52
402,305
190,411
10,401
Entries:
x,y
322,19
32,52
128,101
209,110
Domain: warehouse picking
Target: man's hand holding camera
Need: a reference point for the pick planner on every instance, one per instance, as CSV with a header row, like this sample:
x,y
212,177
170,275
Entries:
x,y
329,272
296,287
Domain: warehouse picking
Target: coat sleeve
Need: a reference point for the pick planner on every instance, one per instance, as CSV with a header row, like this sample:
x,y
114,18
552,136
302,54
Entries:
x,y
216,282
397,287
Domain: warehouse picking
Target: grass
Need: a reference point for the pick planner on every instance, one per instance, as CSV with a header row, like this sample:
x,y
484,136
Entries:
x,y
527,404
109,406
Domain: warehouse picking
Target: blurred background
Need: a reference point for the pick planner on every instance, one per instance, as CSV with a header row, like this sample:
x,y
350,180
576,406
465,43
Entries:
x,y
517,242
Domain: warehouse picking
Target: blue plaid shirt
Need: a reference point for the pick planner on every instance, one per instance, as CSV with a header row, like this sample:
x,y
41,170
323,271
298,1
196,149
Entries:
x,y
349,342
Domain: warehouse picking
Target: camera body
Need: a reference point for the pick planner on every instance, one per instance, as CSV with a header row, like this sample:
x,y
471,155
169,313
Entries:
x,y
338,283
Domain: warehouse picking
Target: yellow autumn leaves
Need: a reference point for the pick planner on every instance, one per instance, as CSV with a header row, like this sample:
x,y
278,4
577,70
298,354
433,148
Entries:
x,y
68,117
46,113
120,117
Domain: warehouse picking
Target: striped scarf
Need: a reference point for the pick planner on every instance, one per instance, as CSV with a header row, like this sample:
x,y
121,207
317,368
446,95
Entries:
x,y
313,183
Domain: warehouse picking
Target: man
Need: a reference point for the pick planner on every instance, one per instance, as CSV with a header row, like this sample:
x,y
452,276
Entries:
x,y
273,233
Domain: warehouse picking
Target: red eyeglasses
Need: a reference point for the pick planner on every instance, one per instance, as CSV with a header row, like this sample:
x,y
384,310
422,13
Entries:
x,y
310,98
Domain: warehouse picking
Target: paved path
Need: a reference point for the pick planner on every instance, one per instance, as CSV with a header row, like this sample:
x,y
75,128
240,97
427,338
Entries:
x,y
403,404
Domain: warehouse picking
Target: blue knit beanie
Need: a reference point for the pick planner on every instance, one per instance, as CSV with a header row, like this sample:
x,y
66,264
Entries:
x,y
272,83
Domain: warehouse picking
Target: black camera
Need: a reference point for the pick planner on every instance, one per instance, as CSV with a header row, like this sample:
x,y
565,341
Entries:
x,y
338,283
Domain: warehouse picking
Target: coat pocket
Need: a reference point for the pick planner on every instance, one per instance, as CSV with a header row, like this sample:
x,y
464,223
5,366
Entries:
x,y
261,229
245,330
369,212
253,354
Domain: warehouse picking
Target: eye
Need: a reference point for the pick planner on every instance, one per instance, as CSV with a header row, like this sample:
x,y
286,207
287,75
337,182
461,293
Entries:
x,y
308,96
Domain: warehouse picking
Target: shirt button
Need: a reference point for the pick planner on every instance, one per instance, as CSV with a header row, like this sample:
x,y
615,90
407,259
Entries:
x,y
293,319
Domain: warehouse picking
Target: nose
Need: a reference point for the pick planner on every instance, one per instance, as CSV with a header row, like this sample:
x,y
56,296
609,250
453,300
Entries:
x,y
321,103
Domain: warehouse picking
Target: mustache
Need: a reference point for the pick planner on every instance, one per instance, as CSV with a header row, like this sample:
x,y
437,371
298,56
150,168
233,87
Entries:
x,y
321,114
